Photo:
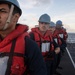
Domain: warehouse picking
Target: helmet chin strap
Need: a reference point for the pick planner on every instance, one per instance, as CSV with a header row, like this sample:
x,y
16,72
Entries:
x,y
9,17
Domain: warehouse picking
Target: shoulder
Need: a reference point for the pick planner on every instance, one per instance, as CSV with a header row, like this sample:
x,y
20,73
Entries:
x,y
31,35
30,42
31,46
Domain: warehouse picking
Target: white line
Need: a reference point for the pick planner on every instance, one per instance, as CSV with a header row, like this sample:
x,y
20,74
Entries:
x,y
70,57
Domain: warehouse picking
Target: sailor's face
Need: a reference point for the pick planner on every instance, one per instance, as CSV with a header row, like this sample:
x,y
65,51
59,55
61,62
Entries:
x,y
52,29
43,26
4,13
58,26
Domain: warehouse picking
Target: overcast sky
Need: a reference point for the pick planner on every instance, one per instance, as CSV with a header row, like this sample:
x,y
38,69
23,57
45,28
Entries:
x,y
57,9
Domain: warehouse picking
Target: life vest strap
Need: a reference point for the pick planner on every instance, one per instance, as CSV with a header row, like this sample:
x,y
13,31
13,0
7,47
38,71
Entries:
x,y
43,41
8,71
8,54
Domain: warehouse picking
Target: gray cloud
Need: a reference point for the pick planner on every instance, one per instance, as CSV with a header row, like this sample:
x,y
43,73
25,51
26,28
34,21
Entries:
x,y
41,2
29,4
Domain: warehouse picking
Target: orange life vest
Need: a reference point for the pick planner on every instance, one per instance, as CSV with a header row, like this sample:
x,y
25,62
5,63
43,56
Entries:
x,y
12,52
57,38
63,33
39,38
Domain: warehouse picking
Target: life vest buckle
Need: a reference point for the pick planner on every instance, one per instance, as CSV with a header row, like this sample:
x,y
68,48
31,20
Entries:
x,y
1,54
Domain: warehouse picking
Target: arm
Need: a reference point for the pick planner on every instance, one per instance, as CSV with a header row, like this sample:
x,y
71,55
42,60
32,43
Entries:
x,y
35,60
63,45
57,48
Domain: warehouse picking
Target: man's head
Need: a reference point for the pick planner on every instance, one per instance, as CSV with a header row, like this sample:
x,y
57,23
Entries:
x,y
59,24
52,26
13,2
44,22
9,13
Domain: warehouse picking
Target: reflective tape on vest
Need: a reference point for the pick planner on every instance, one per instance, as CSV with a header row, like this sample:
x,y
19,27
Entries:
x,y
61,35
45,47
3,64
55,39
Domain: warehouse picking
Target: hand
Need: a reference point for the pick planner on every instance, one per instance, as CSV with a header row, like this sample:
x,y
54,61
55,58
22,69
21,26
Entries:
x,y
57,50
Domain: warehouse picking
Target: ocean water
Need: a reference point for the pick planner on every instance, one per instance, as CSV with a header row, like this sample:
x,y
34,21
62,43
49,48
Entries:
x,y
71,38
71,47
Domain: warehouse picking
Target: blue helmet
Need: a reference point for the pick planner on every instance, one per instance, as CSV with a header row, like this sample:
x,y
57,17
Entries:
x,y
14,2
59,22
45,18
52,24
